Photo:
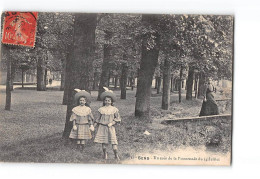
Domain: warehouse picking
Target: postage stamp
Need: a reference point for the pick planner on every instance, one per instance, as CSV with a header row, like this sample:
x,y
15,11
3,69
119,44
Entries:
x,y
19,28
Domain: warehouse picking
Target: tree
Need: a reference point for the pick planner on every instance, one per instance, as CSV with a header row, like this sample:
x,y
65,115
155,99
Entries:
x,y
6,54
104,79
149,60
166,84
81,61
180,82
189,83
41,67
123,80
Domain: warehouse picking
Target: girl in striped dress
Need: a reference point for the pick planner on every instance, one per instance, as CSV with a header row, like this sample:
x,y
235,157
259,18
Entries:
x,y
109,117
82,119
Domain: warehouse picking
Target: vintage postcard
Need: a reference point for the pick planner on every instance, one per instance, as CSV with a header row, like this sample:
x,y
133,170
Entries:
x,y
103,88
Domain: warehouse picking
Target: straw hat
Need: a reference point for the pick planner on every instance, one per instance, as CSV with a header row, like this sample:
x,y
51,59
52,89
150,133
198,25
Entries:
x,y
108,93
82,93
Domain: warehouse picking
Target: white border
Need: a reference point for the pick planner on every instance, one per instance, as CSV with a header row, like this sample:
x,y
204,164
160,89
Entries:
x,y
246,155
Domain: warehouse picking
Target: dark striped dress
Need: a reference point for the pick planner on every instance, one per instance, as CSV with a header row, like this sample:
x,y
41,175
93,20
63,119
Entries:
x,y
83,118
105,134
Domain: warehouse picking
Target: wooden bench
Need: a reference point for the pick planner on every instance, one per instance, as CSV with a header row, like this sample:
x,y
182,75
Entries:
x,y
222,117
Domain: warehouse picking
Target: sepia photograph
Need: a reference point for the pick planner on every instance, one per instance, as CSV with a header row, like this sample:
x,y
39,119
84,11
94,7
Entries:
x,y
116,88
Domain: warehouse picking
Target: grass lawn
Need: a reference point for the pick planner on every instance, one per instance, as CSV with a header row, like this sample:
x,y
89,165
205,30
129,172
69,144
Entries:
x,y
32,131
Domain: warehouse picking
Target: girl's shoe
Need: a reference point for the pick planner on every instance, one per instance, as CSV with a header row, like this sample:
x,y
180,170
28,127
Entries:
x,y
78,146
116,155
82,146
105,154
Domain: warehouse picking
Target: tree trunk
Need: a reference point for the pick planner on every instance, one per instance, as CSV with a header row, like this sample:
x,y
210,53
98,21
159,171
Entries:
x,y
45,77
172,84
166,97
176,84
95,83
113,81
22,78
81,61
105,75
63,71
189,83
132,83
116,81
180,84
149,60
159,81
13,69
67,75
156,82
41,75
123,80
109,76
202,81
196,85
6,52
104,79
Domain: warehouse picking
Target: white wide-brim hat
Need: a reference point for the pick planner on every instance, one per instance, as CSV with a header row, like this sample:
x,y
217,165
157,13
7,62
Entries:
x,y
84,94
108,94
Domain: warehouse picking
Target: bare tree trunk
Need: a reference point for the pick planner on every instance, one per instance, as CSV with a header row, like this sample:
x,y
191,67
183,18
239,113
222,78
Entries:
x,y
159,81
132,83
6,51
189,83
67,76
13,69
202,81
45,77
22,78
41,84
104,79
123,80
166,97
180,83
156,83
148,64
67,73
176,84
109,76
129,82
172,84
116,81
196,85
81,61
63,71
96,80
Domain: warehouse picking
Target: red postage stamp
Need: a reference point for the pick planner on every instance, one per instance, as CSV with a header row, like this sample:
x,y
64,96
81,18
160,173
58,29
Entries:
x,y
20,28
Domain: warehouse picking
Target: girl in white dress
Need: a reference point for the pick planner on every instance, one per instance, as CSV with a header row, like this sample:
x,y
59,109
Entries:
x,y
82,119
108,119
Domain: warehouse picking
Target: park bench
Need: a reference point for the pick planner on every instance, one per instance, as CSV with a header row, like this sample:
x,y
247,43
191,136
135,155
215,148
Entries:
x,y
222,117
223,99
